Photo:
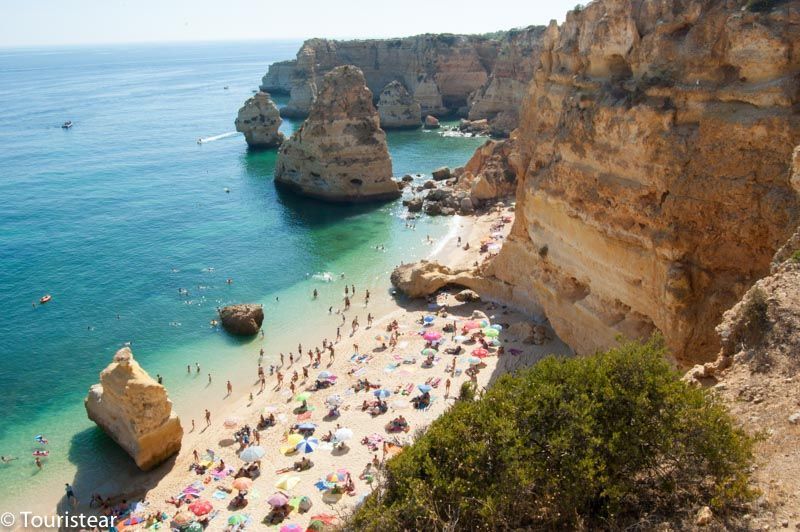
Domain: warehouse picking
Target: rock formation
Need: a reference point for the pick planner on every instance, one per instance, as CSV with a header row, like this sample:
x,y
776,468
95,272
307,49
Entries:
x,y
431,122
340,152
397,109
134,410
483,76
242,320
655,143
259,120
491,173
500,97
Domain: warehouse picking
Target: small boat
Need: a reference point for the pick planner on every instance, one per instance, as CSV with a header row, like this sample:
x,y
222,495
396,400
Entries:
x,y
199,140
45,298
67,124
225,87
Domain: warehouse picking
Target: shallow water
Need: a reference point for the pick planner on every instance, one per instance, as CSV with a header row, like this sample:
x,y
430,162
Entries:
x,y
115,215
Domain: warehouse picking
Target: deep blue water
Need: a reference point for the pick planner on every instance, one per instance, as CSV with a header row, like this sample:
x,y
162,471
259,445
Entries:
x,y
114,215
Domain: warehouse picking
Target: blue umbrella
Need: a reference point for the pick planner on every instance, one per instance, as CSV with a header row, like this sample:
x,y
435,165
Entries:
x,y
428,319
323,375
251,454
308,445
382,393
425,388
497,326
306,426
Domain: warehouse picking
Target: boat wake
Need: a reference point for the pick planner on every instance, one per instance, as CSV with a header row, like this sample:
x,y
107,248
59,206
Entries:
x,y
204,140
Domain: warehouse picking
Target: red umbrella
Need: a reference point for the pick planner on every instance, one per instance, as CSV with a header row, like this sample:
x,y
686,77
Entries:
x,y
480,352
471,325
432,336
200,507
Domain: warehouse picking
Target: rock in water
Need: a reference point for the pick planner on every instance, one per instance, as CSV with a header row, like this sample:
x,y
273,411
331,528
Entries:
x,y
259,120
242,320
340,152
431,122
132,408
397,109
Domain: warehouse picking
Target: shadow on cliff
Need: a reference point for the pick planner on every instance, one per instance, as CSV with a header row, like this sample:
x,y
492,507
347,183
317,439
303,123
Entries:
x,y
104,468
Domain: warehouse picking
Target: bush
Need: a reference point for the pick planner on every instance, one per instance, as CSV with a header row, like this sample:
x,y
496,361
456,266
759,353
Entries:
x,y
594,442
467,391
759,6
796,256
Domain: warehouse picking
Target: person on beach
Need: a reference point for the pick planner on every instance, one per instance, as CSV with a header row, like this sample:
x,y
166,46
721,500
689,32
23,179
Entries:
x,y
38,463
447,387
230,387
338,334
330,310
208,418
316,293
7,459
197,366
263,384
291,358
188,368
346,303
192,426
369,320
346,290
209,378
353,289
281,359
196,456
71,498
291,387
355,348
159,378
366,298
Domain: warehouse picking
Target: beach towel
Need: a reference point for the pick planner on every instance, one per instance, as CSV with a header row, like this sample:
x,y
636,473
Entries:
x,y
303,416
436,381
390,368
219,495
359,372
321,485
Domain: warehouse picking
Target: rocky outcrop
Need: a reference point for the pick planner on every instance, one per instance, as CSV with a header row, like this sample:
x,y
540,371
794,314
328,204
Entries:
x,y
278,79
500,97
482,76
340,152
654,145
242,320
134,410
397,109
260,120
491,173
431,122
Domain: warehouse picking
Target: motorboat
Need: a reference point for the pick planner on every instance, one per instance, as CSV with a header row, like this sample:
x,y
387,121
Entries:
x,y
67,124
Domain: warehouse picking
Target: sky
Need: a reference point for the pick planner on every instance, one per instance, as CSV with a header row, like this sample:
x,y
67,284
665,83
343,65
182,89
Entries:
x,y
60,22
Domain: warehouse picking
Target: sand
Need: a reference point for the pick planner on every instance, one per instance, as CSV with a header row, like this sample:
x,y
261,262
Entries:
x,y
383,366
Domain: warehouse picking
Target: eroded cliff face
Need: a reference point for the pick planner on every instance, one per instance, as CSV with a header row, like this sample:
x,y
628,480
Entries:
x,y
259,121
397,109
132,408
482,76
340,152
655,143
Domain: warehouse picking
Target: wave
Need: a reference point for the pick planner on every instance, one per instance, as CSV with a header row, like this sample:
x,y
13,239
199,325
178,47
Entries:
x,y
326,277
204,140
451,234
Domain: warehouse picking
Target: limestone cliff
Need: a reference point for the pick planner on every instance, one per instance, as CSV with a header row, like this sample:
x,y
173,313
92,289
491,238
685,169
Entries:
x,y
655,141
135,411
481,75
260,120
397,109
340,152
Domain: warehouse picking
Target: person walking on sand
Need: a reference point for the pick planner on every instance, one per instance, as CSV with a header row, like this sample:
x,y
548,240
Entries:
x,y
188,368
332,355
71,498
196,456
281,359
366,298
263,384
230,387
209,378
447,388
291,386
346,290
369,320
208,417
316,293
355,348
192,426
280,379
291,358
346,303
197,366
338,334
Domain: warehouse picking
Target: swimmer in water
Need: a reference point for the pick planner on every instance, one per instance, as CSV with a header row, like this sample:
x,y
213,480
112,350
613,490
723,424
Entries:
x,y
7,459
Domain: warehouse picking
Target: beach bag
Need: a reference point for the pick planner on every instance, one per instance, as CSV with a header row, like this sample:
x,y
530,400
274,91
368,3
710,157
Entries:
x,y
304,505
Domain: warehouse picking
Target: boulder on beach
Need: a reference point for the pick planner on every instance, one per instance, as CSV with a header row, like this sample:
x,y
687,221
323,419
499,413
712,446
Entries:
x,y
242,320
440,174
135,411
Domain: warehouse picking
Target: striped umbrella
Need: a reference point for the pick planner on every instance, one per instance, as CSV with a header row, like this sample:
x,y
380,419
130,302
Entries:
x,y
309,445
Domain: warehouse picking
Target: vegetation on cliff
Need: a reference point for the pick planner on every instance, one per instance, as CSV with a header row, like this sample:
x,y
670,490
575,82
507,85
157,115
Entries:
x,y
593,442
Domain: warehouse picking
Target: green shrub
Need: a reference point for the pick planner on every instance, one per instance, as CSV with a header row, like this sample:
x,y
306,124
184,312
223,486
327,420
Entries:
x,y
594,442
796,256
763,5
467,391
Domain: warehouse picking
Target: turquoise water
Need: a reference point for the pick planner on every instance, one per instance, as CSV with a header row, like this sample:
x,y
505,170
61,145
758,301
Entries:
x,y
115,215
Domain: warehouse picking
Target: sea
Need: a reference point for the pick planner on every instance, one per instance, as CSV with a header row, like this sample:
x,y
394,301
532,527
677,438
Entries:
x,y
134,229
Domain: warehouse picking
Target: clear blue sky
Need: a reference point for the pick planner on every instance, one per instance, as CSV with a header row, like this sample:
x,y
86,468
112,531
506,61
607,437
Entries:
x,y
48,22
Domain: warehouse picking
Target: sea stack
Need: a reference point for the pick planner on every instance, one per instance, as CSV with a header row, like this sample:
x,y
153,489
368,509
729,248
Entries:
x,y
242,320
339,153
134,409
397,109
259,120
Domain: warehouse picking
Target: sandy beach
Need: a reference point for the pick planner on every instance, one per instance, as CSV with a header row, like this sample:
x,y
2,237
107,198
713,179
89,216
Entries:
x,y
400,370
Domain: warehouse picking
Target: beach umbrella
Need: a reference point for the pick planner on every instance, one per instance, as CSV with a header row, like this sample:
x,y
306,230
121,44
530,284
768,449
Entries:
x,y
243,483
294,439
480,352
484,323
201,507
335,478
308,445
315,526
278,499
327,519
432,336
474,361
307,426
491,333
251,454
495,342
459,338
382,393
496,326
231,422
428,319
291,527
333,400
194,527
304,396
132,520
428,352
471,325
324,375
182,519
237,519
381,338
343,434
287,482
425,388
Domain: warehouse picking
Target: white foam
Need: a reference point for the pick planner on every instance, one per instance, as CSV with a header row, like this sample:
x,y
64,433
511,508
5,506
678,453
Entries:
x,y
451,234
204,140
327,277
